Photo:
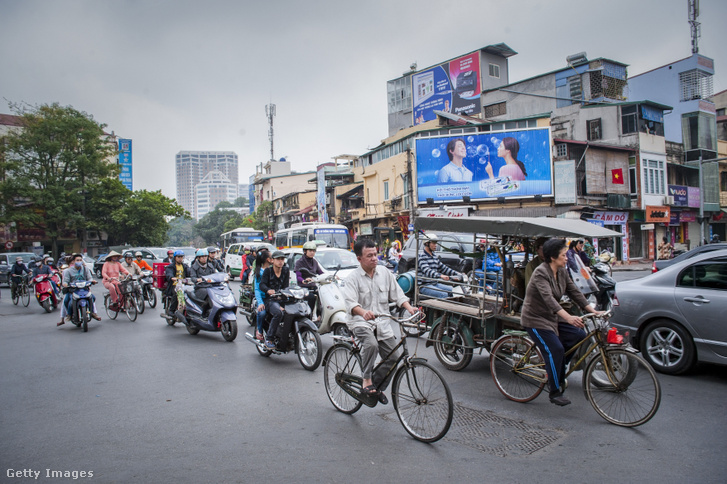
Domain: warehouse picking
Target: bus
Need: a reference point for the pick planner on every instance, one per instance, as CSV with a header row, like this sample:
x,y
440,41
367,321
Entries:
x,y
241,235
298,234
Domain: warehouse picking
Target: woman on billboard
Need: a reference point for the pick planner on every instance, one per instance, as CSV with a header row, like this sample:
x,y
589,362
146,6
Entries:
x,y
455,171
513,168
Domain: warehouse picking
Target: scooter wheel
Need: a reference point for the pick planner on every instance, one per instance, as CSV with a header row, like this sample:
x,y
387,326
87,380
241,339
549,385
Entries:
x,y
192,329
229,330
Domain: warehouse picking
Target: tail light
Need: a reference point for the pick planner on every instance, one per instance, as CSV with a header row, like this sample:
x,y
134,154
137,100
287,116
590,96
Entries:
x,y
614,300
653,267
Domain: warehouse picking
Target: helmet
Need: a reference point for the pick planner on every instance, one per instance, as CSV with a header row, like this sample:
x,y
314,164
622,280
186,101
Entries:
x,y
49,261
310,246
170,252
128,255
137,254
18,259
211,249
178,252
431,238
247,247
201,253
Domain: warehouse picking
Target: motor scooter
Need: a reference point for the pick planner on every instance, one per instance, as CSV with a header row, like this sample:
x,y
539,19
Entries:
x,y
216,313
296,331
606,286
45,294
329,303
147,288
81,303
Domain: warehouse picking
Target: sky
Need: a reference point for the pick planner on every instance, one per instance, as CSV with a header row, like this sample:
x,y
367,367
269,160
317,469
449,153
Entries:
x,y
178,75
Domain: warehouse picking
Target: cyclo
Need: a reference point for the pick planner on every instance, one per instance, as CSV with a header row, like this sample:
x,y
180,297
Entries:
x,y
475,318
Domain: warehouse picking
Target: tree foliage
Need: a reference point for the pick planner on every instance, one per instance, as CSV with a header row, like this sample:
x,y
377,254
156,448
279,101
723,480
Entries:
x,y
181,232
212,225
144,217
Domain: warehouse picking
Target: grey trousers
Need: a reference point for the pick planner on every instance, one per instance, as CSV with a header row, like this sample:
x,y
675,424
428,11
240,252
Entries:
x,y
370,347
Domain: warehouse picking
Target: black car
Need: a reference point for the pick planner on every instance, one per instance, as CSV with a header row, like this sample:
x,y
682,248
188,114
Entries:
x,y
664,263
98,265
450,247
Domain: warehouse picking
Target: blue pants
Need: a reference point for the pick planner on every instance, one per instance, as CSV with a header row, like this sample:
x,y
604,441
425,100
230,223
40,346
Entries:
x,y
553,347
276,313
436,290
260,320
69,297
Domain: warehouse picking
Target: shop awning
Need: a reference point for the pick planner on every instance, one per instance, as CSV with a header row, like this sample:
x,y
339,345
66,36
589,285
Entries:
x,y
516,226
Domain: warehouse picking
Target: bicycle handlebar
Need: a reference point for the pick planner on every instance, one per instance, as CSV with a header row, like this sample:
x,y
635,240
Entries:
x,y
419,315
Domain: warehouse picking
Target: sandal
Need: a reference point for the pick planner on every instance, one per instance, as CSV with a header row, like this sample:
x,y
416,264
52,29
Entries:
x,y
369,390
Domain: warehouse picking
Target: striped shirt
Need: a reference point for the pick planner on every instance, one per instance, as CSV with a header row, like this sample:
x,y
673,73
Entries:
x,y
430,266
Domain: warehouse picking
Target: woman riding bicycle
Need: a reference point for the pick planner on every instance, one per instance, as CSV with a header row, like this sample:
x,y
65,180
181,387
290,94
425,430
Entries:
x,y
111,271
551,327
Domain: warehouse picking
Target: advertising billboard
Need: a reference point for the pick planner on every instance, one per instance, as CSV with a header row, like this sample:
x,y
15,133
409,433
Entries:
x,y
321,195
485,165
125,163
453,87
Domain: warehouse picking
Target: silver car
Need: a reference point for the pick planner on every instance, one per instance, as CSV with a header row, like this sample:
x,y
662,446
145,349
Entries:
x,y
677,316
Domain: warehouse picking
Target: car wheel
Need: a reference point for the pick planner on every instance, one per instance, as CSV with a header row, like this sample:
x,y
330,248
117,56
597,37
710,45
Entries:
x,y
668,347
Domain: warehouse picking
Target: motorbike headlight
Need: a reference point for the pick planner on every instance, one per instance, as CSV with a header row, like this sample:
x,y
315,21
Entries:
x,y
228,299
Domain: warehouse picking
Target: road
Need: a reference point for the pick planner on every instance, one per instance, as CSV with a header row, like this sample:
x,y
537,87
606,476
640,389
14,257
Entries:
x,y
146,402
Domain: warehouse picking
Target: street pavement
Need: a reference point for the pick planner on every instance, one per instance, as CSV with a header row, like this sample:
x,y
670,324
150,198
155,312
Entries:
x,y
146,402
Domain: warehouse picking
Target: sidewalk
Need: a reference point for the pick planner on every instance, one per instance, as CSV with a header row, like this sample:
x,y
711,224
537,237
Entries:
x,y
641,265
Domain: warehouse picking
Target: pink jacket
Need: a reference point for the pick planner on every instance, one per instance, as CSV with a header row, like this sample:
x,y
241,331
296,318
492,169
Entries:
x,y
112,270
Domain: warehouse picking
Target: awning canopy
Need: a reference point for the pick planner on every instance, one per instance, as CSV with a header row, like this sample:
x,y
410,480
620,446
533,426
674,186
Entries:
x,y
515,226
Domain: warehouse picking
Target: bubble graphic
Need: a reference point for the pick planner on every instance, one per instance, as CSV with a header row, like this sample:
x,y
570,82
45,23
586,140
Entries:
x,y
470,139
436,153
483,160
483,150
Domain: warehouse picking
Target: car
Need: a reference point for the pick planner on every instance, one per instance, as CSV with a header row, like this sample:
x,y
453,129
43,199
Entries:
x,y
7,259
98,265
89,262
234,253
330,259
450,246
664,263
675,316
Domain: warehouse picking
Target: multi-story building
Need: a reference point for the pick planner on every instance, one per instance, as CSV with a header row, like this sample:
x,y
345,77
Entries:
x,y
214,188
192,166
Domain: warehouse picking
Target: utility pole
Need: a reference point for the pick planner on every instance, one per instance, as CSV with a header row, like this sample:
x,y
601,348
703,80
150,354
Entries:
x,y
270,113
694,24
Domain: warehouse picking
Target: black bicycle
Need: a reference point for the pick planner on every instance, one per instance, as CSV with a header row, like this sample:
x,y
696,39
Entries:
x,y
421,397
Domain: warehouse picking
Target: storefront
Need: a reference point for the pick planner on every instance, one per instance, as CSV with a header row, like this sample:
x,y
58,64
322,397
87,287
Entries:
x,y
658,219
618,222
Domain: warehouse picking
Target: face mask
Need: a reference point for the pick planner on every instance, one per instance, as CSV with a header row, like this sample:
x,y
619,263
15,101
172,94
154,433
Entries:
x,y
78,264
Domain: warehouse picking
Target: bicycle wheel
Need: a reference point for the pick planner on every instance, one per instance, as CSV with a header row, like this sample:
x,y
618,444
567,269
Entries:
x,y
151,297
15,295
633,395
130,307
517,368
139,303
25,296
422,401
107,305
340,367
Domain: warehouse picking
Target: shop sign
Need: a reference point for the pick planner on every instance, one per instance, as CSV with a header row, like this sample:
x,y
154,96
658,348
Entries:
x,y
680,194
693,197
687,217
657,214
612,218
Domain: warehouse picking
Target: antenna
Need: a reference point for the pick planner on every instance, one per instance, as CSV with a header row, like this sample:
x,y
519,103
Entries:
x,y
694,24
270,113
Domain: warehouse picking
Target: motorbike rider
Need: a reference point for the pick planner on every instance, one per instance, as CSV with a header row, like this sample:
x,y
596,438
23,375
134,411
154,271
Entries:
x,y
305,267
261,263
367,292
214,260
76,272
139,261
111,271
246,263
201,267
46,267
128,264
16,274
174,274
170,257
431,267
274,278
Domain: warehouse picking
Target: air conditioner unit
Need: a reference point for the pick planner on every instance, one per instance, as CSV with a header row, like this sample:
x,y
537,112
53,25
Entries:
x,y
669,200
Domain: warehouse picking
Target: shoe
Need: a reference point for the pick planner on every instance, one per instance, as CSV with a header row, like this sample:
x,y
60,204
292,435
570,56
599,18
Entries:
x,y
96,316
68,319
559,400
382,398
270,345
61,323
259,336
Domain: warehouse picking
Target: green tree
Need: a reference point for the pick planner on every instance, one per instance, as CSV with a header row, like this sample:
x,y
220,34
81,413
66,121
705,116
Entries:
x,y
104,199
181,232
234,222
212,225
263,217
144,217
240,202
47,166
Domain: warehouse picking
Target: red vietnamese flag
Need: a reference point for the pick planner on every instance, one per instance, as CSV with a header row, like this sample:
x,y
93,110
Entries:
x,y
617,176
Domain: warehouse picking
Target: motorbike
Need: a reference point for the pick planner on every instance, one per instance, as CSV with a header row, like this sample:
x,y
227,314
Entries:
x,y
247,303
216,313
329,303
606,286
300,333
45,294
81,303
147,288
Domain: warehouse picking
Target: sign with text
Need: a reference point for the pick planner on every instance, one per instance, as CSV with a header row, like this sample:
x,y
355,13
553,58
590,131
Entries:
x,y
657,214
680,194
564,181
454,212
612,218
126,175
694,197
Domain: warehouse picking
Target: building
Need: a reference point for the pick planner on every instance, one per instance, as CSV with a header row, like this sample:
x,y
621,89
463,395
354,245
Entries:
x,y
192,166
214,188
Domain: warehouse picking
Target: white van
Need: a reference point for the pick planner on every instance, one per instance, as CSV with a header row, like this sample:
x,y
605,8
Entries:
x,y
233,258
298,234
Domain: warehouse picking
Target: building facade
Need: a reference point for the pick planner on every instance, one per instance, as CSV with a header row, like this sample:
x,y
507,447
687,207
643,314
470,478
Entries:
x,y
192,166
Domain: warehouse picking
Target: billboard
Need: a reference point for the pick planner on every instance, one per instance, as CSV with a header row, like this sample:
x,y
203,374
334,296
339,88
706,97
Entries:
x,y
125,163
321,195
485,165
452,87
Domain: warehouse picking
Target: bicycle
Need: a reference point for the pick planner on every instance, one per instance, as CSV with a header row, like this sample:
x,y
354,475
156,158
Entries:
x,y
126,302
620,385
21,292
421,397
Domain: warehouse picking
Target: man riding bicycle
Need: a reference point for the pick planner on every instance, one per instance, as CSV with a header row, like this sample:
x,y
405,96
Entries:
x,y
16,274
369,290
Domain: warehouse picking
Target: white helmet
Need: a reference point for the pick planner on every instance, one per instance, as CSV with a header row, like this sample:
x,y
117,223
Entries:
x,y
430,238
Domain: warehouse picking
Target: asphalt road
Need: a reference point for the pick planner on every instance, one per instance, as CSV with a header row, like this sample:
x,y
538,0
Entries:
x,y
146,402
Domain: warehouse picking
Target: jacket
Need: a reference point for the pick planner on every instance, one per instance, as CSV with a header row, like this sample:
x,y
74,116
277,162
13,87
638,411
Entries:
x,y
270,281
198,270
171,271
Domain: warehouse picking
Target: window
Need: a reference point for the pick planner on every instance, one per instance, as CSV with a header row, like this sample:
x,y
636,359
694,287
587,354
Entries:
x,y
695,84
299,237
698,131
632,182
494,110
628,119
653,177
386,190
494,70
561,150
594,129
707,274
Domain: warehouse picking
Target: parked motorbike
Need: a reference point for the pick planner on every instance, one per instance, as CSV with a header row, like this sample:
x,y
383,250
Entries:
x,y
606,286
81,303
147,288
45,294
216,313
300,334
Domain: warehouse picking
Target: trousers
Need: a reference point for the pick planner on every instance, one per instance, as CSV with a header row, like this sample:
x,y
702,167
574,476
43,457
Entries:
x,y
370,348
553,347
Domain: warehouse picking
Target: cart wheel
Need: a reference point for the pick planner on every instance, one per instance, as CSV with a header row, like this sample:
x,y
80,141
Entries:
x,y
451,348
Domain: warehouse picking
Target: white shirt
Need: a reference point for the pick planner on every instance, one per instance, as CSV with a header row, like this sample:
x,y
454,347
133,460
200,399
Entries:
x,y
454,173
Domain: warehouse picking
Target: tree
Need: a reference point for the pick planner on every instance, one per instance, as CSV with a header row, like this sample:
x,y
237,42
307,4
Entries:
x,y
144,217
212,225
48,166
181,232
264,216
103,201
240,202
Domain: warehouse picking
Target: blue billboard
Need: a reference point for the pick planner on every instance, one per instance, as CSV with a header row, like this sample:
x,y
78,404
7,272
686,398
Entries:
x,y
126,175
486,165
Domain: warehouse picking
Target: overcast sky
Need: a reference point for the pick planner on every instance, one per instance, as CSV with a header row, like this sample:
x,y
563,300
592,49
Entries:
x,y
196,75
